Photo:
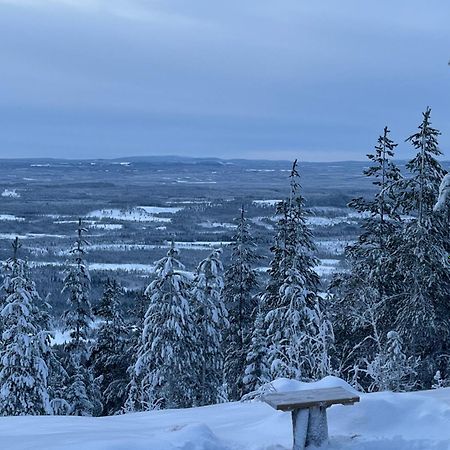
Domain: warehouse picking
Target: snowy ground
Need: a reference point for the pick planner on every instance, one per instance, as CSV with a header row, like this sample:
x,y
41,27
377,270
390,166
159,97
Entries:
x,y
382,421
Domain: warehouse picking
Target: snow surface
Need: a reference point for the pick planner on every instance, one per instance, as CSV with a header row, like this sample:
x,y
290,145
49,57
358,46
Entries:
x,y
11,218
10,193
318,221
332,247
210,224
139,214
107,226
161,209
381,421
266,203
327,266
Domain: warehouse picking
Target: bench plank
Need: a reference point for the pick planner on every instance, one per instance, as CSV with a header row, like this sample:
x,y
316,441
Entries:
x,y
288,401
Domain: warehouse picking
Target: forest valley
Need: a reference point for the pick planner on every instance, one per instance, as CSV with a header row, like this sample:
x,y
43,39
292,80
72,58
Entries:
x,y
221,334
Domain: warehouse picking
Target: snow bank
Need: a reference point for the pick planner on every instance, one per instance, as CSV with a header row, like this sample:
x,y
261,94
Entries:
x,y
287,385
382,421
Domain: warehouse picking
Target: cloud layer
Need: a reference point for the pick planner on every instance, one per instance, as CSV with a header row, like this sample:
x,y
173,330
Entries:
x,y
259,78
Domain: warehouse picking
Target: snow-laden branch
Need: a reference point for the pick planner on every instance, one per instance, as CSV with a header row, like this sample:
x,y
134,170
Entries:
x,y
444,191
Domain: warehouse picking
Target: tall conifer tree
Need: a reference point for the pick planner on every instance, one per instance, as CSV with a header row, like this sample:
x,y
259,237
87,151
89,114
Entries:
x,y
423,319
241,283
164,367
83,391
109,358
293,324
26,347
365,295
210,318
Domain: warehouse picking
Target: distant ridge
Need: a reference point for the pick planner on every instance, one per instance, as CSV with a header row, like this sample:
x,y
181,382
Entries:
x,y
187,160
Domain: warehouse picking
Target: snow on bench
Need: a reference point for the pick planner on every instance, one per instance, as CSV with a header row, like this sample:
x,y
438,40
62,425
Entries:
x,y
309,416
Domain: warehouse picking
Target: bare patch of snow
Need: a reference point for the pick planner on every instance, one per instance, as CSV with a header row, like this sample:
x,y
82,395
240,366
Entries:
x,y
161,209
10,193
266,203
133,215
209,224
107,226
10,218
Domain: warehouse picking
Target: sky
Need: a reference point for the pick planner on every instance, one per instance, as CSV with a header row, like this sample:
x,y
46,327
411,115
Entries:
x,y
256,79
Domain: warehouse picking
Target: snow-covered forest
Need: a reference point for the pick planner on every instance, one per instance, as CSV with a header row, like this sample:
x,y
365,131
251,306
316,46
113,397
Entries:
x,y
220,334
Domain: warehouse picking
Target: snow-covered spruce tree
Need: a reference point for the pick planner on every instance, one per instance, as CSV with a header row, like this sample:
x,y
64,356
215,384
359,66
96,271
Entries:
x,y
292,331
364,295
57,374
241,282
392,370
168,349
210,317
324,339
373,249
83,392
438,381
109,358
25,347
292,319
77,284
133,401
257,371
420,191
293,246
423,319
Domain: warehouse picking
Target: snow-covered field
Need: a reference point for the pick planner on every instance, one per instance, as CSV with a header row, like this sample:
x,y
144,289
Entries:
x,y
11,218
382,421
138,214
12,193
327,266
266,203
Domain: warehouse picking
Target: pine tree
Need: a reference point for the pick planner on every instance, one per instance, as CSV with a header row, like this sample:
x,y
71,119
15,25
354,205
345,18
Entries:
x,y
210,322
26,347
292,329
423,319
77,284
134,400
420,190
83,391
293,324
365,294
392,370
373,250
323,340
294,245
109,358
166,355
257,371
241,282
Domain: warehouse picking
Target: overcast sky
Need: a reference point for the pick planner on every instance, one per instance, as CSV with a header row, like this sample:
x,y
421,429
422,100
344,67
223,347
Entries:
x,y
271,79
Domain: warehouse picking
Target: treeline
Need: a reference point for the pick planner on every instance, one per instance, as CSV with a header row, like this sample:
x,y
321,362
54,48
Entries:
x,y
392,308
217,335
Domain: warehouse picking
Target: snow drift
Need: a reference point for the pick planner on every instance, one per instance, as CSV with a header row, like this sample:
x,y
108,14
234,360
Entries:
x,y
388,421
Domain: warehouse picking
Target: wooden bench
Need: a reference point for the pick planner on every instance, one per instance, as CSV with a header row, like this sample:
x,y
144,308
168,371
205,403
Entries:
x,y
309,412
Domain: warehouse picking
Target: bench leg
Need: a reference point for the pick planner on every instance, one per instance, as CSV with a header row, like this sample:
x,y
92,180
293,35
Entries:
x,y
317,433
300,427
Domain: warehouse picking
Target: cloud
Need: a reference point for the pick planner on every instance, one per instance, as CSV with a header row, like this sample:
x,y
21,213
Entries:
x,y
227,78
